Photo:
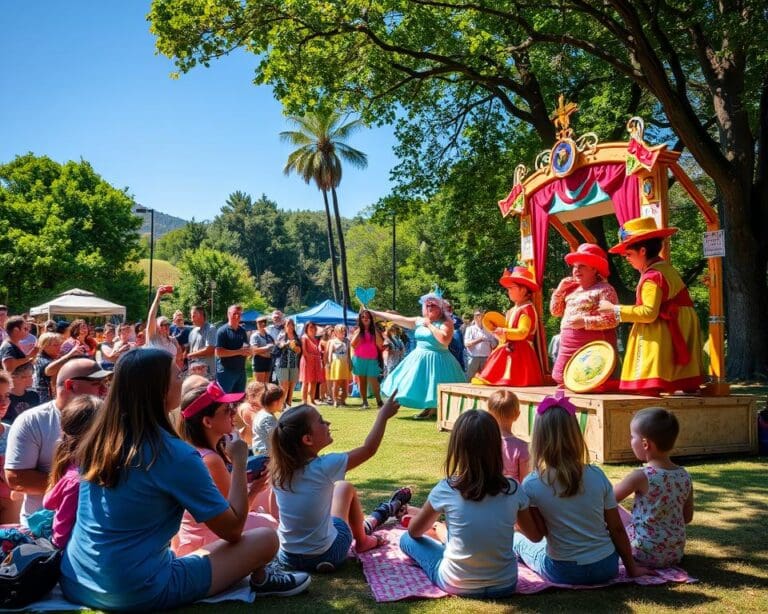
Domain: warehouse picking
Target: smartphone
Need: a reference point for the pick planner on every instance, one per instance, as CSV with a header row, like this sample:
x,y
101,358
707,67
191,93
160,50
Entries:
x,y
255,465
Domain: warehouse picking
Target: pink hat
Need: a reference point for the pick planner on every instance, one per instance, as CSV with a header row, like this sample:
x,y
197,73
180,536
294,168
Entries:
x,y
591,255
213,394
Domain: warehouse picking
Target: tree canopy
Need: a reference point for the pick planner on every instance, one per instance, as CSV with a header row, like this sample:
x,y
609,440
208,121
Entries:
x,y
63,226
440,68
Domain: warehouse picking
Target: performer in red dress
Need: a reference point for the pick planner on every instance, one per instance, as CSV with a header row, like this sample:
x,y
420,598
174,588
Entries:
x,y
515,362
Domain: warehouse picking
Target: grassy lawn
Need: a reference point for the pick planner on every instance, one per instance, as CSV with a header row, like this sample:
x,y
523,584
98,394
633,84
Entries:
x,y
727,544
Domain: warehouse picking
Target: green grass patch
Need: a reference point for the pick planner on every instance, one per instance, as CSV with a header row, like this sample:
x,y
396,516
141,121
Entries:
x,y
726,542
163,272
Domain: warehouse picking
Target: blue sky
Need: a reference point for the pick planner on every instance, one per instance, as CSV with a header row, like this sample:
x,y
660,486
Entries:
x,y
80,79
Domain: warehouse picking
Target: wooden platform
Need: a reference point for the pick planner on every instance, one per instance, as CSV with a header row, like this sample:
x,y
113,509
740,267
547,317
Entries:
x,y
708,425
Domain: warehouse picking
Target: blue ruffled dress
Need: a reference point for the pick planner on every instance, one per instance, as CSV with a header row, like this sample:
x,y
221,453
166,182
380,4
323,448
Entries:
x,y
416,378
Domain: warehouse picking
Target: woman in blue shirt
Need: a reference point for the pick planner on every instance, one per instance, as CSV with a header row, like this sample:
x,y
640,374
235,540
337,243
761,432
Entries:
x,y
137,479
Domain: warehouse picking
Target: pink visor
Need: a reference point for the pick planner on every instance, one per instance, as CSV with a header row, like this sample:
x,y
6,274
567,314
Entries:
x,y
213,394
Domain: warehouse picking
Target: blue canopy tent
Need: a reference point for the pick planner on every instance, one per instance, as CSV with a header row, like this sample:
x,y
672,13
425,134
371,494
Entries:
x,y
248,321
326,312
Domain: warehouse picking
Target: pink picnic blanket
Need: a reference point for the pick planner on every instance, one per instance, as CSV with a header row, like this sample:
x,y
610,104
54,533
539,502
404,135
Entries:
x,y
393,576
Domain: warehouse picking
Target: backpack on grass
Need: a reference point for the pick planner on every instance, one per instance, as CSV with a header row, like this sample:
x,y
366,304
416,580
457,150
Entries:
x,y
28,573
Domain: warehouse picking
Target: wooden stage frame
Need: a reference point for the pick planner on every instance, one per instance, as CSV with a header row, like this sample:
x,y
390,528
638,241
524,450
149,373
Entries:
x,y
708,425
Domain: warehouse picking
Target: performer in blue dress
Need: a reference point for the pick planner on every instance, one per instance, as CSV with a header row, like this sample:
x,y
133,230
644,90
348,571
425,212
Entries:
x,y
416,378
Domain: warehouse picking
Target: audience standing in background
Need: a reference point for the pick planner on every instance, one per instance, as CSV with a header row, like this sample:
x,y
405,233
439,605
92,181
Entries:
x,y
231,351
288,360
456,346
479,344
11,354
262,346
9,506
3,322
159,329
202,341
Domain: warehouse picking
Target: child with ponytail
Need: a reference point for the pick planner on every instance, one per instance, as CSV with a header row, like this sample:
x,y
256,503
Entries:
x,y
320,513
64,483
575,502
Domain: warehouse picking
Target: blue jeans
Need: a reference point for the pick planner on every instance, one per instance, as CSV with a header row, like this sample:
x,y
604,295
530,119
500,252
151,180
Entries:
x,y
336,554
534,555
428,553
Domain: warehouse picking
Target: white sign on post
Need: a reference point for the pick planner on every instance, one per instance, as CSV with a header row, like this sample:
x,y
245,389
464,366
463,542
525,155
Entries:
x,y
714,244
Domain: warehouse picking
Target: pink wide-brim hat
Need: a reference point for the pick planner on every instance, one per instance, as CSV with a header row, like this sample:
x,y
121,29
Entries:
x,y
591,255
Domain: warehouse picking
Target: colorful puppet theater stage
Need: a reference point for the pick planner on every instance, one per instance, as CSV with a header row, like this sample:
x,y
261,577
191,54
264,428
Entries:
x,y
708,425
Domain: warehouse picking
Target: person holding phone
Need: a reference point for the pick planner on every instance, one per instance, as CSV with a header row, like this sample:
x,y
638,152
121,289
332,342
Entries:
x,y
137,478
207,420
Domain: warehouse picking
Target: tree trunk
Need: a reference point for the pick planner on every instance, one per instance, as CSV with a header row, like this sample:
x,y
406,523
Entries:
x,y
331,248
746,297
342,256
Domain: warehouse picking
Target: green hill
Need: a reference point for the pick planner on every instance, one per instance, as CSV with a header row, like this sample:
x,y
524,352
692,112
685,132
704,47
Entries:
x,y
163,272
164,223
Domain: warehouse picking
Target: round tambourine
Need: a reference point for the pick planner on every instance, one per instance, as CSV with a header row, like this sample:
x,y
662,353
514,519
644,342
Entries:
x,y
493,320
589,367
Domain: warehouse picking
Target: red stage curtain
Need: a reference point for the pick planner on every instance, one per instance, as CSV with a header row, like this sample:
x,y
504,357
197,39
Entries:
x,y
623,191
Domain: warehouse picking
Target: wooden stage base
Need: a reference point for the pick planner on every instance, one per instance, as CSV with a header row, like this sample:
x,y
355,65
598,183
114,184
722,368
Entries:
x,y
708,425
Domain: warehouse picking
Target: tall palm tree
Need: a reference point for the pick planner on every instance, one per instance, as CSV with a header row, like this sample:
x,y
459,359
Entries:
x,y
320,137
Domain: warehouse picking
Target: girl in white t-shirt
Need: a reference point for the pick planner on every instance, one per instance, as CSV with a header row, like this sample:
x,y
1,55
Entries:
x,y
481,509
574,501
320,513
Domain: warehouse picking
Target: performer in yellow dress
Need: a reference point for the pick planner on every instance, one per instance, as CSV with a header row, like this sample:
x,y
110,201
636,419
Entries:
x,y
664,346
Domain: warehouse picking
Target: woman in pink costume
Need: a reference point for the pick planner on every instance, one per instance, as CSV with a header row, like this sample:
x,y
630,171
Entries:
x,y
576,300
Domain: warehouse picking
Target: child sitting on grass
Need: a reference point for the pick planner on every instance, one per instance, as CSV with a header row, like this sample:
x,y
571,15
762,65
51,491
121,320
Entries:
x,y
64,483
248,409
481,508
575,502
505,408
320,513
663,491
264,421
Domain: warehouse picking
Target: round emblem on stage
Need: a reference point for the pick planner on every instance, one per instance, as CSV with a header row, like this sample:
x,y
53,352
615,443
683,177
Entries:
x,y
563,157
493,320
589,367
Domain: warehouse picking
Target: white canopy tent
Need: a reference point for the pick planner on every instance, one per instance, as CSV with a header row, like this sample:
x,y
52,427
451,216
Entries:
x,y
77,302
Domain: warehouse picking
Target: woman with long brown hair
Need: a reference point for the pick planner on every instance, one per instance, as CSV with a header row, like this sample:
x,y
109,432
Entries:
x,y
138,477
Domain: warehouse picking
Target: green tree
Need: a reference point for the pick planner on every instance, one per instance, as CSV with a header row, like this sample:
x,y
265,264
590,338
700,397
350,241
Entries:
x,y
255,231
232,283
702,67
172,245
319,137
63,226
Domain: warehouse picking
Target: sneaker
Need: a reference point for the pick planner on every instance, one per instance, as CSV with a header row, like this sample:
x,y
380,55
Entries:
x,y
386,509
398,503
280,584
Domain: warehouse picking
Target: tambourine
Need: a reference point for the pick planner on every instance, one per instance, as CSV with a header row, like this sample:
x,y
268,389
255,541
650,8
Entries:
x,y
493,320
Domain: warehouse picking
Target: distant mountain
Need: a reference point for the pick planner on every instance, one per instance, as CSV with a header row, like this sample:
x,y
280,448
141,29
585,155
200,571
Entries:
x,y
164,223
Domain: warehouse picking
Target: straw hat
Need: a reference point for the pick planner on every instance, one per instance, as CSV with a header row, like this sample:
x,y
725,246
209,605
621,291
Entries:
x,y
639,229
591,255
519,275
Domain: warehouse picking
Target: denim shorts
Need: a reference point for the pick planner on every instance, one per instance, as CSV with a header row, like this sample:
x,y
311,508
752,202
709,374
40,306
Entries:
x,y
336,555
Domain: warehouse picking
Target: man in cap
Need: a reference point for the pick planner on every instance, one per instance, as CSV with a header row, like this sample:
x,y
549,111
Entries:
x,y
33,435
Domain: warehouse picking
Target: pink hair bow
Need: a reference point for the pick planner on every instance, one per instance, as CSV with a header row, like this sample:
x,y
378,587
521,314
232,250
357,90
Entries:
x,y
557,400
